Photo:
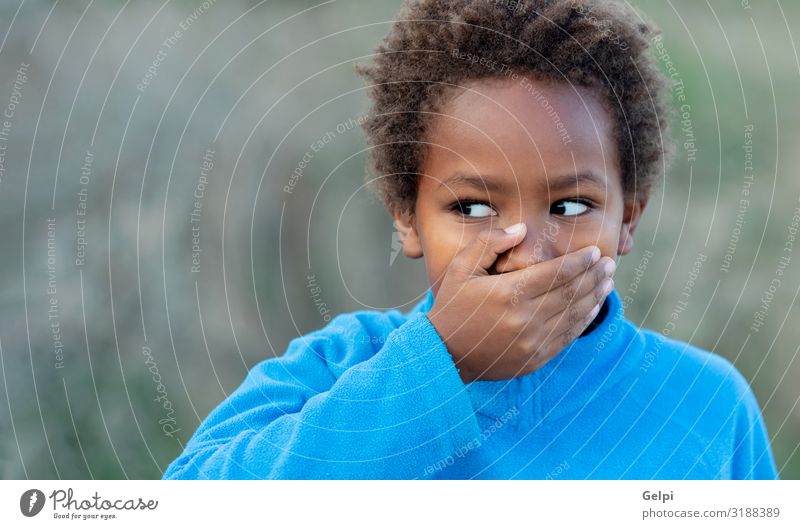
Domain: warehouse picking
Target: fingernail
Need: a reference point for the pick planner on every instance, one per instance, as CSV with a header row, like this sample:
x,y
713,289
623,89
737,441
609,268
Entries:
x,y
594,312
515,229
610,267
595,254
608,284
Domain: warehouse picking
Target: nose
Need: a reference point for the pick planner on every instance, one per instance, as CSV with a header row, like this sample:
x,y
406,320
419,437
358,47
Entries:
x,y
539,244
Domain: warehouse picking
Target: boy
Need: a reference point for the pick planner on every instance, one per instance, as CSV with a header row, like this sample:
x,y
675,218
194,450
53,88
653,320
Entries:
x,y
515,144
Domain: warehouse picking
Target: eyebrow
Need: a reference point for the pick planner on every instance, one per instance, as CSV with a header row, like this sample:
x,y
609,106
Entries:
x,y
484,183
569,180
490,183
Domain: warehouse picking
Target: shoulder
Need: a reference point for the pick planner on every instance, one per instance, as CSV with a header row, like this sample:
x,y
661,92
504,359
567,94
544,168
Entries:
x,y
347,339
691,381
311,364
701,410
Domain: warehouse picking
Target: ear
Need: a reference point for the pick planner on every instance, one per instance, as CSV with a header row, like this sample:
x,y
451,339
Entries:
x,y
406,225
630,219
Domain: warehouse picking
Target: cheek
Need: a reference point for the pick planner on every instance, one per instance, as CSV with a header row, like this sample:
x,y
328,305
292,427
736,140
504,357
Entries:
x,y
441,245
603,234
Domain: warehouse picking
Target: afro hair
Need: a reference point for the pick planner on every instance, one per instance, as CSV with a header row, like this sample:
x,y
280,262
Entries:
x,y
597,44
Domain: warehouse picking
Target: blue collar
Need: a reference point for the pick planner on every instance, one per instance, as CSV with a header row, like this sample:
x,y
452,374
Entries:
x,y
586,367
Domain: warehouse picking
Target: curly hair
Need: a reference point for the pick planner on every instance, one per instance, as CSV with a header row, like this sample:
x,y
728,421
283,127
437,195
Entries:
x,y
596,44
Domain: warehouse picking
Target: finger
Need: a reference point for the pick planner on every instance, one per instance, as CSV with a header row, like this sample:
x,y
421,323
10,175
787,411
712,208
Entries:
x,y
572,321
596,281
480,254
533,281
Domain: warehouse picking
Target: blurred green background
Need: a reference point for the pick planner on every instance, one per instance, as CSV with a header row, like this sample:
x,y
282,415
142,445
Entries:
x,y
165,164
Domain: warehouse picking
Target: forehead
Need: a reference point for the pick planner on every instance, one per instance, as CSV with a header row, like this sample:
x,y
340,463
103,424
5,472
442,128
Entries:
x,y
525,125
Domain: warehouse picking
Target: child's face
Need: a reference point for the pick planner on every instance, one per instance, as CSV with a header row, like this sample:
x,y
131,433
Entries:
x,y
507,151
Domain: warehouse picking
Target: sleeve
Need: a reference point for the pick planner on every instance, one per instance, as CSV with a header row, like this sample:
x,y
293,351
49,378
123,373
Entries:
x,y
752,456
389,416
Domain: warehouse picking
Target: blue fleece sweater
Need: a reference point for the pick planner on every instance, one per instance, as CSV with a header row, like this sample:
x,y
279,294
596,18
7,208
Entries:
x,y
377,395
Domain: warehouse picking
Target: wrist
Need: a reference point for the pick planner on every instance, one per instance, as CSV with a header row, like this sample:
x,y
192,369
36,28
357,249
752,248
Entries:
x,y
465,373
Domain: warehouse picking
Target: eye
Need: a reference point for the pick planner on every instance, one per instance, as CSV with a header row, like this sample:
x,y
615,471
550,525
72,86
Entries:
x,y
473,208
570,208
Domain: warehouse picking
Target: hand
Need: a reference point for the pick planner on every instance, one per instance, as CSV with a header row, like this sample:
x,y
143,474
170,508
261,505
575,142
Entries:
x,y
509,325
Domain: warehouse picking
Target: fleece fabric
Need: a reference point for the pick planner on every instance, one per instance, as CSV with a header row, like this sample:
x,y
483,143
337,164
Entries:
x,y
376,395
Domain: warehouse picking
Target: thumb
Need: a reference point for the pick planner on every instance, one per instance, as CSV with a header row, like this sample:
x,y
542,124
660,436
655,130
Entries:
x,y
478,256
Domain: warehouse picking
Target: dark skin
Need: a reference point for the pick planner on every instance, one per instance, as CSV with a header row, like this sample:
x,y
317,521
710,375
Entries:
x,y
506,303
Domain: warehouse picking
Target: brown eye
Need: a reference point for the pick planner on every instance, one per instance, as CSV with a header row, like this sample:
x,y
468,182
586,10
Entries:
x,y
474,209
569,208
